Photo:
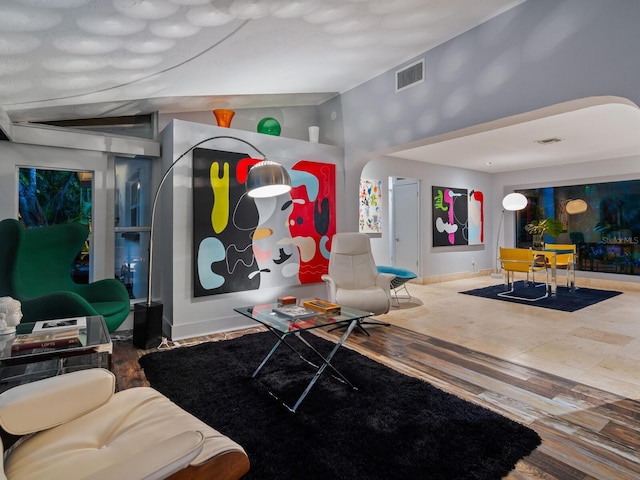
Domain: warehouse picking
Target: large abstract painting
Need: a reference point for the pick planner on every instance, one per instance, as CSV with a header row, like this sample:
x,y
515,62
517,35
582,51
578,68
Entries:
x,y
242,243
370,199
458,216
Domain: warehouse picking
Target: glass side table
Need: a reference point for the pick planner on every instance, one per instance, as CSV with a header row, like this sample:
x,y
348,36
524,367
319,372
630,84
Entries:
x,y
94,339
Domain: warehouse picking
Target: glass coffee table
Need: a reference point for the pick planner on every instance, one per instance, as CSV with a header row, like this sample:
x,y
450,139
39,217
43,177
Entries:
x,y
94,339
284,327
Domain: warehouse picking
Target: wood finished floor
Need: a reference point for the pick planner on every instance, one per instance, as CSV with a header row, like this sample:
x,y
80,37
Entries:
x,y
587,433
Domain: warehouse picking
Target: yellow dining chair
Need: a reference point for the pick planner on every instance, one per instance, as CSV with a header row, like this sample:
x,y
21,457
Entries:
x,y
565,261
521,260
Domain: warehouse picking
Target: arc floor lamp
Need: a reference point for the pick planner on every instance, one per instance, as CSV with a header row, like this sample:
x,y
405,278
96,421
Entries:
x,y
264,179
511,202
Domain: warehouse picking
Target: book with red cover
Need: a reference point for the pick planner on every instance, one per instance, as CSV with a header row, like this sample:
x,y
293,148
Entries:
x,y
30,341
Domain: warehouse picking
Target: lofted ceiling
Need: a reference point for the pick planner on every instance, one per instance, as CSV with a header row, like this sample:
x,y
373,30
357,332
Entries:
x,y
70,59
75,59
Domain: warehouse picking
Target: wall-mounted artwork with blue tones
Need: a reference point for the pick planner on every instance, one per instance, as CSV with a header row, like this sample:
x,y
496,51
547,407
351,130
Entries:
x,y
241,243
458,216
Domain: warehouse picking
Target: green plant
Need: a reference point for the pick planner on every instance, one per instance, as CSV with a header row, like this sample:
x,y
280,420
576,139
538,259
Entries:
x,y
546,226
605,228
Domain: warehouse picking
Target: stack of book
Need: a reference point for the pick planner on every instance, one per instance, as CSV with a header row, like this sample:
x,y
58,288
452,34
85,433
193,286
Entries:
x,y
322,306
46,339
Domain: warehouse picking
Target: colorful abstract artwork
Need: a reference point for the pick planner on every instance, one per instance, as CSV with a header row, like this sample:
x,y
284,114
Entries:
x,y
242,243
370,210
458,216
476,217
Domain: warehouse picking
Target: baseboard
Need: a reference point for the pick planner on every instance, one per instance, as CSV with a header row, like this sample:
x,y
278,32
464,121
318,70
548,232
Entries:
x,y
604,284
449,277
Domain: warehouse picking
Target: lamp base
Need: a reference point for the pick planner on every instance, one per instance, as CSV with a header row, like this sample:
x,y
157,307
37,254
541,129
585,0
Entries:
x,y
147,325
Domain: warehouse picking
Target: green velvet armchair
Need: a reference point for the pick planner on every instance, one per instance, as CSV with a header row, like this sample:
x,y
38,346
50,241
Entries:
x,y
35,268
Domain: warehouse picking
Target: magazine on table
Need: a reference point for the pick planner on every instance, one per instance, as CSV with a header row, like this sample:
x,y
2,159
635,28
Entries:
x,y
60,324
295,311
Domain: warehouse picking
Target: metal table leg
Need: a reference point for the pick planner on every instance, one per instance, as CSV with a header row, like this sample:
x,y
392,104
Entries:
x,y
326,361
554,275
266,359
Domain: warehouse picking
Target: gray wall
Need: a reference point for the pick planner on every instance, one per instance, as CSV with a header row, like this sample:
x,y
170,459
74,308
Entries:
x,y
535,55
439,260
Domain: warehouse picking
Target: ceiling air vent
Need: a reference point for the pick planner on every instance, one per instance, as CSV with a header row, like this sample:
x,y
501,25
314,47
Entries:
x,y
410,75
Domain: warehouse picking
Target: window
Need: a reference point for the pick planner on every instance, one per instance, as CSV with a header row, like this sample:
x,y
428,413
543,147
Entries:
x,y
606,231
50,197
133,197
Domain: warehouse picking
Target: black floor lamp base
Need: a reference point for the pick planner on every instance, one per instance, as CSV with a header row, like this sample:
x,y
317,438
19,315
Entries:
x,y
147,325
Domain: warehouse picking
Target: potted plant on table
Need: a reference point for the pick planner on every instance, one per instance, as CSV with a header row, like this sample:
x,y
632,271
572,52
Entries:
x,y
540,228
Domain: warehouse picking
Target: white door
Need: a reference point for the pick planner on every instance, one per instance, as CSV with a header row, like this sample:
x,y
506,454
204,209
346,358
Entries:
x,y
406,224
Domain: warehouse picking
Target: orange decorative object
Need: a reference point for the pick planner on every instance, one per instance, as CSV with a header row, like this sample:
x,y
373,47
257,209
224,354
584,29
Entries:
x,y
223,117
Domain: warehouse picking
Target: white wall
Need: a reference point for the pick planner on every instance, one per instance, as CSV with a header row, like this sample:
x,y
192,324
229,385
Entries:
x,y
184,315
434,260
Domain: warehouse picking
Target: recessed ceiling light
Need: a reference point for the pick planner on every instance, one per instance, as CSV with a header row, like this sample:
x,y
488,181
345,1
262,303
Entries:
x,y
548,141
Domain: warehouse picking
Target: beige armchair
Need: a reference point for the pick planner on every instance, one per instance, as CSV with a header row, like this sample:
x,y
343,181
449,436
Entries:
x,y
74,426
353,279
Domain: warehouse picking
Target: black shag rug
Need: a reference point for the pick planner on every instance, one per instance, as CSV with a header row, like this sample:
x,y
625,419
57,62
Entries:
x,y
393,427
563,300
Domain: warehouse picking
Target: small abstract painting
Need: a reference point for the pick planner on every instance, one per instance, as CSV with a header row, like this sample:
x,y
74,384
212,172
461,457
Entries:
x,y
476,218
458,216
370,210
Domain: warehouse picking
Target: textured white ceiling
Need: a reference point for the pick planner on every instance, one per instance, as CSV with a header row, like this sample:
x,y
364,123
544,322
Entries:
x,y
88,58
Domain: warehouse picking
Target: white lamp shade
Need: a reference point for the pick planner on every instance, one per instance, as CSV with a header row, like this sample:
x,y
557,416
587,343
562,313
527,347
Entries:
x,y
514,201
576,206
267,179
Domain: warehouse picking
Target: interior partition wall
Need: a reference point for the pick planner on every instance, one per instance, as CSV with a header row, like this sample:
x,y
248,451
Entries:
x,y
185,314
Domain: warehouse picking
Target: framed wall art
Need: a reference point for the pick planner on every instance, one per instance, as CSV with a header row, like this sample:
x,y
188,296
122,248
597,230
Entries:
x,y
370,206
241,243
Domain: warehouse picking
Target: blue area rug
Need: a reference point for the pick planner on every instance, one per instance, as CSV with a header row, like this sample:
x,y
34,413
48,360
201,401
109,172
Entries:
x,y
564,300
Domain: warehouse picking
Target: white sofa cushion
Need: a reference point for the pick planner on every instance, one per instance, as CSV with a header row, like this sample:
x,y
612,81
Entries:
x,y
37,406
132,428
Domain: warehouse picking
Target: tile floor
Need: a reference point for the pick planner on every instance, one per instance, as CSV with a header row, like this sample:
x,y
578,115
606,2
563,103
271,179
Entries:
x,y
598,345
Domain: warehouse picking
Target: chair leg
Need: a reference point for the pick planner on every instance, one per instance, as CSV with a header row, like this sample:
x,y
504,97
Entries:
x,y
397,289
510,285
369,322
360,327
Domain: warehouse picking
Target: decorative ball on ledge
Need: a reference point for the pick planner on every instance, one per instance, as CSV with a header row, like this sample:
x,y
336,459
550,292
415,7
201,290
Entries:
x,y
269,126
